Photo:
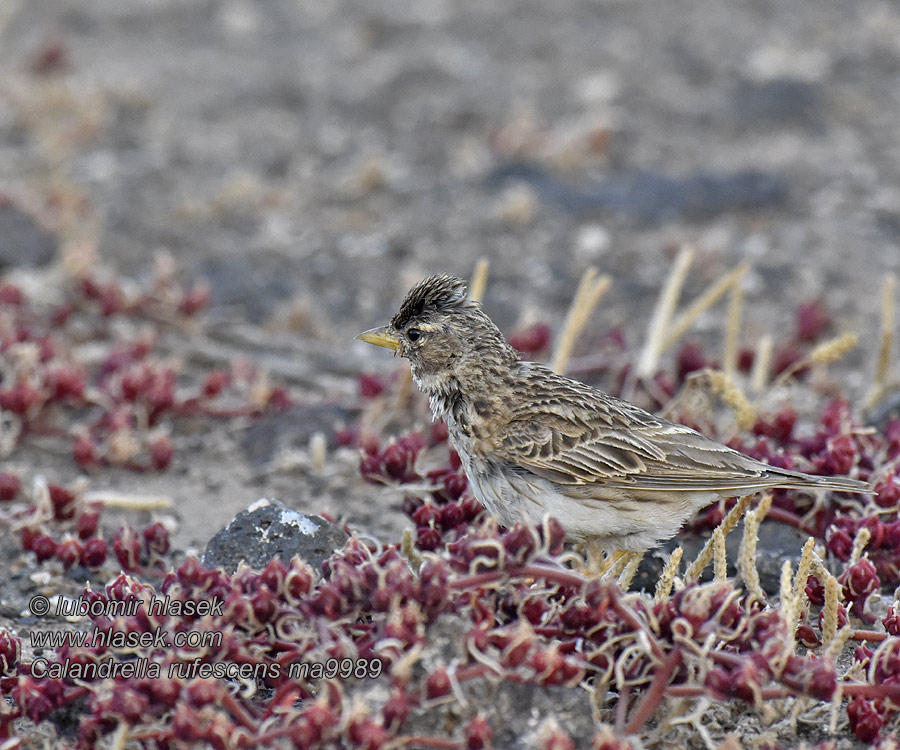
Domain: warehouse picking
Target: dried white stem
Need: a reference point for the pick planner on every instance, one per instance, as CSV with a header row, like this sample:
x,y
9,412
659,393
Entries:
x,y
863,536
654,345
590,290
830,618
720,562
728,523
747,554
713,293
115,499
479,279
667,578
733,329
803,569
882,366
762,362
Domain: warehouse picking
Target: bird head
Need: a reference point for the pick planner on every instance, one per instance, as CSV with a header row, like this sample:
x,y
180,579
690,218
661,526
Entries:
x,y
442,333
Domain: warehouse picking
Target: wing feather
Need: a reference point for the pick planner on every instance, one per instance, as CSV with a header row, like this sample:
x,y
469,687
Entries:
x,y
575,435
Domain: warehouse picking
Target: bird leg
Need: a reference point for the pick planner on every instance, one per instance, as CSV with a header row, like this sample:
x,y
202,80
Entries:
x,y
600,561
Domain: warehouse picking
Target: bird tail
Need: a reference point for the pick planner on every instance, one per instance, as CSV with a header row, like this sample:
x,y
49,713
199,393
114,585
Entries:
x,y
797,480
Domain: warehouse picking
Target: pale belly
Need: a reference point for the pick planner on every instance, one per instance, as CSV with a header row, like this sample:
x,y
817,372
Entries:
x,y
614,522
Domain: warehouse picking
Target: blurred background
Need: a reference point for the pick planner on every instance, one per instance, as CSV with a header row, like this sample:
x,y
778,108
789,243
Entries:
x,y
324,155
311,159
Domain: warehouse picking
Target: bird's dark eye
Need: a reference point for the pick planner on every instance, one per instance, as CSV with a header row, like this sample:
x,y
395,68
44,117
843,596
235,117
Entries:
x,y
413,334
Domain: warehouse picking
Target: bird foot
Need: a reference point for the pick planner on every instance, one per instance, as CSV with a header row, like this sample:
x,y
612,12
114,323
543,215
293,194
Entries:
x,y
603,564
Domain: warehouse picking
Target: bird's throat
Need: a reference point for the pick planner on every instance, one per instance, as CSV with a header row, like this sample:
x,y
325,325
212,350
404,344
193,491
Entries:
x,y
444,394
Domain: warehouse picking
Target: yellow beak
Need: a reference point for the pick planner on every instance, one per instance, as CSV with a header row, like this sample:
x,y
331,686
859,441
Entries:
x,y
380,337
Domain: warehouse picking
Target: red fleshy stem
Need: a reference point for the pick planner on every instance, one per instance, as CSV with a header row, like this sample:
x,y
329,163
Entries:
x,y
239,712
554,632
476,580
865,690
654,694
266,739
150,733
472,671
564,578
724,657
789,519
428,743
868,635
632,619
622,708
552,575
544,573
695,691
735,661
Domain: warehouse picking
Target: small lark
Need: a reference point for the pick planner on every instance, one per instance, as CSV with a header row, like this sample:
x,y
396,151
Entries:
x,y
533,442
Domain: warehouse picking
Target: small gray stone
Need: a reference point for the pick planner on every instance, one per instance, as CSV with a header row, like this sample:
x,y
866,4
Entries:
x,y
780,102
257,284
269,529
291,428
23,242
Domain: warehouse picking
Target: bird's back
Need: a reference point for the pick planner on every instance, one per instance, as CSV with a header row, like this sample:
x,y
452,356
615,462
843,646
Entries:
x,y
573,434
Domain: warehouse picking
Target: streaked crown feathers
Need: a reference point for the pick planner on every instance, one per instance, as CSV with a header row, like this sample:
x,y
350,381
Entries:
x,y
436,294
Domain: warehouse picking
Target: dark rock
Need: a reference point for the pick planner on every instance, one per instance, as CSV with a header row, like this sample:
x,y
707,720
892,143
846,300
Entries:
x,y
269,529
886,409
258,285
291,429
23,242
651,568
651,197
780,102
888,223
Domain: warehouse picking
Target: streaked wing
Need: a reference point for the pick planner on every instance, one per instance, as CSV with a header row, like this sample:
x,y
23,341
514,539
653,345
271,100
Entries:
x,y
598,439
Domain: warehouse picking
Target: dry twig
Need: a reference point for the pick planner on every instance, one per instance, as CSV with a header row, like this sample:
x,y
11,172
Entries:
x,y
728,523
114,499
713,293
654,345
590,290
762,362
479,280
882,367
733,329
667,577
746,564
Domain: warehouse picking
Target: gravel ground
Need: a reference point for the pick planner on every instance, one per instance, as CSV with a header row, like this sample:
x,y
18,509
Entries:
x,y
337,151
